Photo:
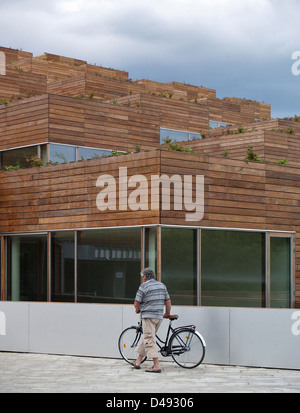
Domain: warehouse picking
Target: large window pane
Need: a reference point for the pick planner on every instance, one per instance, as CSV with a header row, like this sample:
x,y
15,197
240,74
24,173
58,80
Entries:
x,y
280,272
179,264
62,153
109,265
177,135
215,124
89,153
233,268
27,268
18,157
151,248
62,280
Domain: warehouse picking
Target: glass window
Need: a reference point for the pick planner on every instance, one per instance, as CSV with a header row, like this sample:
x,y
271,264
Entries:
x,y
90,153
213,124
18,157
62,153
109,265
44,153
233,268
62,268
280,272
27,268
178,136
151,248
223,124
179,264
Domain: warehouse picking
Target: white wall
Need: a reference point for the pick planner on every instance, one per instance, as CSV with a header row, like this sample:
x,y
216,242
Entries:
x,y
248,337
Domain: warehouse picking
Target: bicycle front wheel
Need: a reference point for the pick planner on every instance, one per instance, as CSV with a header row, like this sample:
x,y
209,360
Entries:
x,y
187,348
128,343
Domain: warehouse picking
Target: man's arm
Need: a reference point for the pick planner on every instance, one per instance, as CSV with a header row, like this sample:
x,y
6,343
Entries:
x,y
137,307
168,308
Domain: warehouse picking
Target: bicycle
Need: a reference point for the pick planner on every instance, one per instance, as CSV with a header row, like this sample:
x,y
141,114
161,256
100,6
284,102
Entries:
x,y
185,345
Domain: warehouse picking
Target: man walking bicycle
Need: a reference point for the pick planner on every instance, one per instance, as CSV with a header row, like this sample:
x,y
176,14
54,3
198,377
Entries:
x,y
151,298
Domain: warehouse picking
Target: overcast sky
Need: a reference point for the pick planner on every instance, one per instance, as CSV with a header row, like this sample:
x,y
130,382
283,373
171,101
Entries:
x,y
241,48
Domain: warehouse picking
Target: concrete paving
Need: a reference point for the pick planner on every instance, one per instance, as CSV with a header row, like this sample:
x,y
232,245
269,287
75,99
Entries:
x,y
36,373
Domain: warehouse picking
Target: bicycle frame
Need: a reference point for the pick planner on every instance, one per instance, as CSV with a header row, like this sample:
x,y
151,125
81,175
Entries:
x,y
164,345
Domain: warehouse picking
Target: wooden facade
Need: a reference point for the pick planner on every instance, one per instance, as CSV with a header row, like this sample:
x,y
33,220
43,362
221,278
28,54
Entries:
x,y
64,196
257,196
61,119
14,55
179,106
17,85
173,114
272,141
237,111
62,100
59,67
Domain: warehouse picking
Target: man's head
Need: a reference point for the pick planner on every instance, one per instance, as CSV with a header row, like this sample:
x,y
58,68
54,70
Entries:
x,y
148,274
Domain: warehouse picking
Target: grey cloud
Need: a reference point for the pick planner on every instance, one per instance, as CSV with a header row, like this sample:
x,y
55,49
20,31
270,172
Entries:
x,y
239,47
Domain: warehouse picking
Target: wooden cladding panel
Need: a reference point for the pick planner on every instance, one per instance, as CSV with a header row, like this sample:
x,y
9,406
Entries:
x,y
64,196
237,195
57,68
14,55
283,190
17,84
232,146
66,121
269,140
82,66
57,58
24,123
193,92
94,84
60,119
178,115
237,111
101,125
191,116
75,86
230,191
176,90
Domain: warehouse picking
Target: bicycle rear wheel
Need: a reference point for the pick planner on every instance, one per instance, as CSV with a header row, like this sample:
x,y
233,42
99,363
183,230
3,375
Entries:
x,y
187,348
128,343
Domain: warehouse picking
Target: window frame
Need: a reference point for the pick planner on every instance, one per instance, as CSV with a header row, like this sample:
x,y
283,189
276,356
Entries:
x,y
268,235
292,238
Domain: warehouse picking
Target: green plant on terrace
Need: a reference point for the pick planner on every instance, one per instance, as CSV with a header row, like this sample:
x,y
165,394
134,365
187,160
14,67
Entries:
x,y
174,146
12,167
251,156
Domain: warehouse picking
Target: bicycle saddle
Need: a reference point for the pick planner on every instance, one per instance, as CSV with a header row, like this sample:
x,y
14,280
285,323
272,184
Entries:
x,y
173,317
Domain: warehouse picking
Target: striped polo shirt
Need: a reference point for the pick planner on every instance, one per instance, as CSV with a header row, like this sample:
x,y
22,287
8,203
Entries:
x,y
152,295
